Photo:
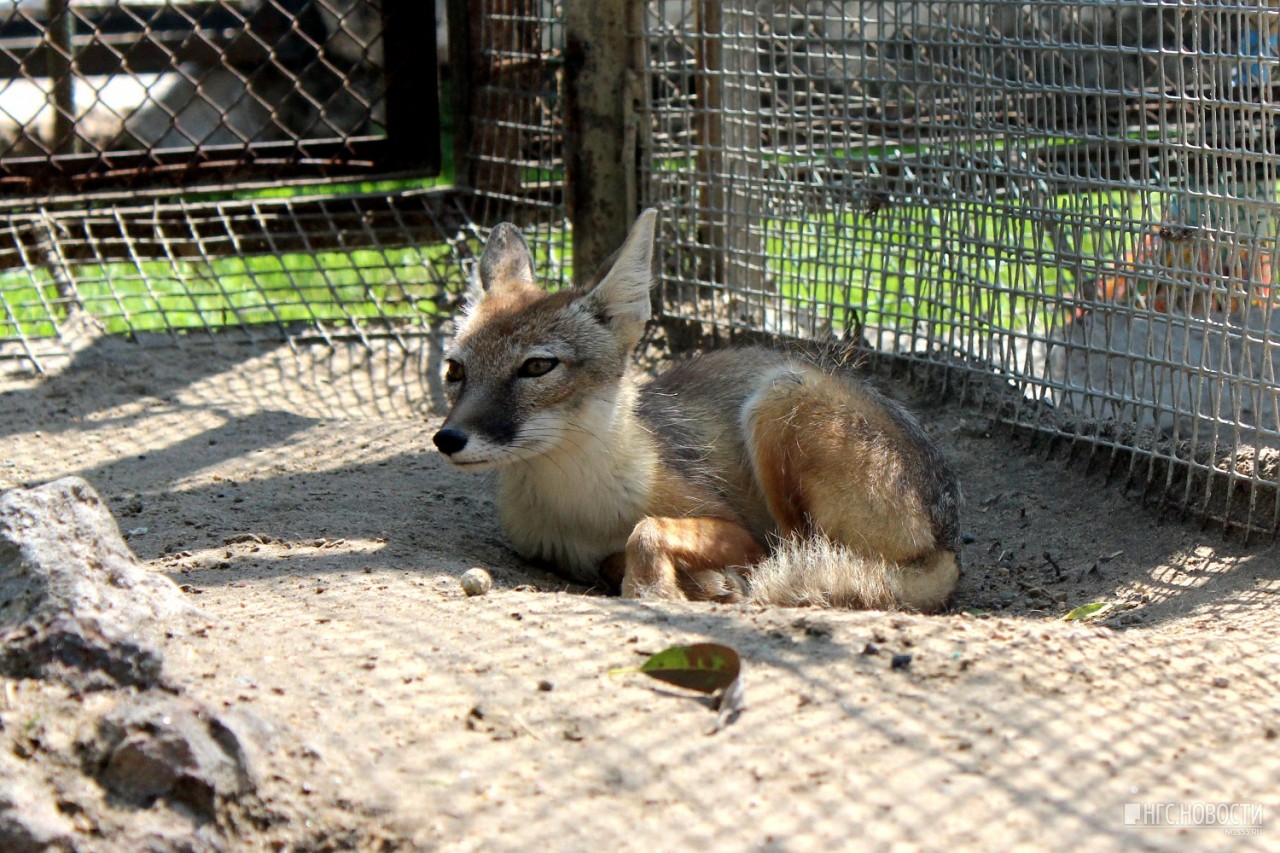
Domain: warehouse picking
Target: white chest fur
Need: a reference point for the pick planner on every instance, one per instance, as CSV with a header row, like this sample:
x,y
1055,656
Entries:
x,y
577,504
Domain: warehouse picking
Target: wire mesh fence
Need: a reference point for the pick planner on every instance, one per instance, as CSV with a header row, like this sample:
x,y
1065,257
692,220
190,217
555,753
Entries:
x,y
309,265
334,226
1071,205
507,79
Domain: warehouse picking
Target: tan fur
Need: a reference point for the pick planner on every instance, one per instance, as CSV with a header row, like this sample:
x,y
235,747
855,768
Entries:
x,y
687,558
828,458
745,473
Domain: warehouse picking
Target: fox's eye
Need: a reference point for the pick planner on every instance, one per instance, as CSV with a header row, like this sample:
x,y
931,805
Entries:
x,y
535,367
454,372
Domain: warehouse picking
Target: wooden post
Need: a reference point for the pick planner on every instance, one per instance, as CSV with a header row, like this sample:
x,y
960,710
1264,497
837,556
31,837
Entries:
x,y
597,57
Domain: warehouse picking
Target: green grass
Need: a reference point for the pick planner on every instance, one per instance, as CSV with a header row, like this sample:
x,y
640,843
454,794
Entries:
x,y
159,296
978,266
162,296
344,188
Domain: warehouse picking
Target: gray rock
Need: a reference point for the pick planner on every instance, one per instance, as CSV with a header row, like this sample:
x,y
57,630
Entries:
x,y
75,603
159,746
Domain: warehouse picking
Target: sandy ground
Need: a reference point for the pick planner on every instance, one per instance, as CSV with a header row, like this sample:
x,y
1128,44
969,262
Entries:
x,y
296,498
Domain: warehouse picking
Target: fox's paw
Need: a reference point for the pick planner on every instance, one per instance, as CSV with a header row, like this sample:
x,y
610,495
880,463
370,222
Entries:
x,y
659,589
723,585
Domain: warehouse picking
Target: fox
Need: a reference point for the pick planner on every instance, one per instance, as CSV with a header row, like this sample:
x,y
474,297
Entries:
x,y
748,474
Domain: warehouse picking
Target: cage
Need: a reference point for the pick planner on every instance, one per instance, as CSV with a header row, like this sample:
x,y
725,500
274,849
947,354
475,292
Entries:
x,y
1066,208
1069,209
237,231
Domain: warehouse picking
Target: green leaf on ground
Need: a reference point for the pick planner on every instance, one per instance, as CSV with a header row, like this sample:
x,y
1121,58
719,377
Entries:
x,y
705,667
1085,612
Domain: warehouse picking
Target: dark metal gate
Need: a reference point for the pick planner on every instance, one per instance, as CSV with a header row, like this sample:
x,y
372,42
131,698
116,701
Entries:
x,y
104,94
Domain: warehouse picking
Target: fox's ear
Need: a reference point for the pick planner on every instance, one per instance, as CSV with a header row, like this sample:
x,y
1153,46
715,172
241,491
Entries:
x,y
506,264
623,294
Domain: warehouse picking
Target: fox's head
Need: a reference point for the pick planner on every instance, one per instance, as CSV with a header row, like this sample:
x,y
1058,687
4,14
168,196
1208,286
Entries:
x,y
530,371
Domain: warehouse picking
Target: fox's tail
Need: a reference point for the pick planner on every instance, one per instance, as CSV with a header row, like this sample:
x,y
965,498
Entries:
x,y
817,572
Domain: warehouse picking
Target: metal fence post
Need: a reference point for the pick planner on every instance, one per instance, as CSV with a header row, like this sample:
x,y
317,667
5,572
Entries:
x,y
412,98
59,58
464,44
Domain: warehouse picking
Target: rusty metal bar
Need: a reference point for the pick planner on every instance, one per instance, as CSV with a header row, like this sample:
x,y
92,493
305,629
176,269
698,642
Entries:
x,y
59,60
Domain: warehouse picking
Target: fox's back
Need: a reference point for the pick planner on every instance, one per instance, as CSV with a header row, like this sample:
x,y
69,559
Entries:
x,y
695,412
692,411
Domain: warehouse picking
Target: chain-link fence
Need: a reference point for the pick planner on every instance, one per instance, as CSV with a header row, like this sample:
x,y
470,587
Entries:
x,y
111,92
304,137
1070,205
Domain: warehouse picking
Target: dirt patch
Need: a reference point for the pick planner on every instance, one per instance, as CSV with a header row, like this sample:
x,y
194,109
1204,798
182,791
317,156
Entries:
x,y
294,496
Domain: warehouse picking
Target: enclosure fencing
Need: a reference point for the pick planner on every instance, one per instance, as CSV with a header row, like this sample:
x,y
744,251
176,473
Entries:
x,y
1063,210
1069,208
272,167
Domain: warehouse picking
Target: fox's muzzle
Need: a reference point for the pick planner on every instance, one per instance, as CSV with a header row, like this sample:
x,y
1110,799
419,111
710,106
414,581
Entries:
x,y
449,440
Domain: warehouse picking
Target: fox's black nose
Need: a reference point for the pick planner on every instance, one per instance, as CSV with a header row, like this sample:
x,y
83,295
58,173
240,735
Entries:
x,y
450,440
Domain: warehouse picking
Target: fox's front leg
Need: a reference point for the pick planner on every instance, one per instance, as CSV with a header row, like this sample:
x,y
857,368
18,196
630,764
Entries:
x,y
687,558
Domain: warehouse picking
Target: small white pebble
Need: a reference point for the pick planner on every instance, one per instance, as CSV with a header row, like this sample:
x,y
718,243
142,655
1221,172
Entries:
x,y
476,582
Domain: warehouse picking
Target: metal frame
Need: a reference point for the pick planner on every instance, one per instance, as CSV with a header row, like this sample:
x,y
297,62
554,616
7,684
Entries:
x,y
141,40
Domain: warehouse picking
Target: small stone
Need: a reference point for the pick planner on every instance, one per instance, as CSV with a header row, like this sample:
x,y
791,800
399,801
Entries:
x,y
813,627
900,662
476,582
497,725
